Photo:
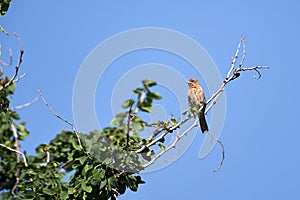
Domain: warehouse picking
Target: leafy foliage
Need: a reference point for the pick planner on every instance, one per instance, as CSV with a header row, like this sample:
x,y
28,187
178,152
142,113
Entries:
x,y
105,172
4,5
63,169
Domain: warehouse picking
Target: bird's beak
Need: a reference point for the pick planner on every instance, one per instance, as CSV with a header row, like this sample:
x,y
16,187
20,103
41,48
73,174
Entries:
x,y
187,82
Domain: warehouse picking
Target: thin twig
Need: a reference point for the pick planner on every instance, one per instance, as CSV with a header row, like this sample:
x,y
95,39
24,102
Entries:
x,y
141,100
20,77
18,152
177,152
172,145
166,131
19,63
223,151
47,150
24,105
48,154
234,59
17,147
130,117
255,68
244,51
10,59
62,119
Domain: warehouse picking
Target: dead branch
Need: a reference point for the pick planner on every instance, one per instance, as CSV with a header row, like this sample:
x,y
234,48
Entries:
x,y
16,151
19,63
130,117
235,73
223,151
47,150
24,105
232,74
20,77
10,59
172,145
166,130
62,119
17,147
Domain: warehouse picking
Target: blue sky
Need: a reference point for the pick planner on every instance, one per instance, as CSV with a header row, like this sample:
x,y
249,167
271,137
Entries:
x,y
260,133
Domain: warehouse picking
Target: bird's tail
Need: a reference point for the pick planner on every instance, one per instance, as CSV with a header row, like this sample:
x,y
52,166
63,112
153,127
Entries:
x,y
202,121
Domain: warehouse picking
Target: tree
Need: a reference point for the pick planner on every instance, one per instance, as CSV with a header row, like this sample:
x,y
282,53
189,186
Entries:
x,y
103,163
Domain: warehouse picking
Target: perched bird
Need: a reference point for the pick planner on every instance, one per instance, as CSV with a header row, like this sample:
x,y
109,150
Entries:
x,y
197,100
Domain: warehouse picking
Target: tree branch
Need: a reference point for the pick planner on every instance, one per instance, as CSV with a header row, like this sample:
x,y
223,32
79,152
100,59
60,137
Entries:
x,y
24,105
10,59
17,147
223,151
16,151
166,130
130,117
232,74
62,119
19,63
172,145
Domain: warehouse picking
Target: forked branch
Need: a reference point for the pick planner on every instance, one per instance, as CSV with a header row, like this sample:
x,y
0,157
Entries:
x,y
232,74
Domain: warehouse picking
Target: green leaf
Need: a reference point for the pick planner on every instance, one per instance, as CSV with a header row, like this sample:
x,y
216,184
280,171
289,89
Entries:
x,y
112,181
82,159
154,95
64,195
75,144
173,120
5,32
149,153
185,111
162,147
85,187
137,124
86,168
4,5
146,107
138,91
128,103
22,130
118,119
102,184
49,191
148,83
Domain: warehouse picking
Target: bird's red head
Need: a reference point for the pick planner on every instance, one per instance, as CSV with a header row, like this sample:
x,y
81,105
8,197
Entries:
x,y
192,82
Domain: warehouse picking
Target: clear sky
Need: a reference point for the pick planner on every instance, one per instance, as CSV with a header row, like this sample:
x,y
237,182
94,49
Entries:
x,y
260,133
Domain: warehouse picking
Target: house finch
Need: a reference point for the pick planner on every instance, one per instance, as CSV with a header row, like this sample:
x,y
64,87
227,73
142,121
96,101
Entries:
x,y
197,100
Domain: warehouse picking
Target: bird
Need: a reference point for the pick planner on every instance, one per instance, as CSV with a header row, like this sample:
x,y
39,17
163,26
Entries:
x,y
196,99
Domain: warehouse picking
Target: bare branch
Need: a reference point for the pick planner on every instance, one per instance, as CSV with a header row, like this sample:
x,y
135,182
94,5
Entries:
x,y
244,51
232,74
18,152
24,105
19,63
234,59
62,119
255,68
10,59
142,98
19,78
166,131
47,150
130,117
172,145
17,147
223,151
